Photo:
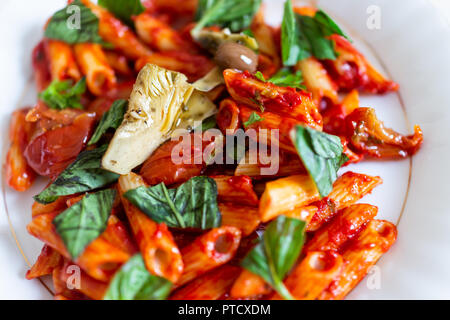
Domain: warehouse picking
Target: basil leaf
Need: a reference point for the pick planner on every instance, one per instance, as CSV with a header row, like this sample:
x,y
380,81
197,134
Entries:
x,y
284,78
209,123
191,205
74,26
254,117
321,153
85,221
294,46
123,9
112,119
233,14
134,282
85,174
277,251
304,36
60,95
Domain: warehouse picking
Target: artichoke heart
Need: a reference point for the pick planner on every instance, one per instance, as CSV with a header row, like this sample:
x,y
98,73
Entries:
x,y
156,107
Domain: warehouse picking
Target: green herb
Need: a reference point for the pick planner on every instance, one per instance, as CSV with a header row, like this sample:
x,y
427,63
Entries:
x,y
112,119
191,205
254,117
233,14
85,174
60,95
85,221
73,25
276,253
209,123
134,282
284,78
123,9
248,32
322,155
304,36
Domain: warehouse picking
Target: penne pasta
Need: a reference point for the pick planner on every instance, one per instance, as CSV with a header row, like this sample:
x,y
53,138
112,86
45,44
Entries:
x,y
361,254
209,251
348,188
238,190
62,61
100,77
313,275
119,63
249,285
244,218
41,68
227,118
342,228
160,253
47,261
286,194
210,286
264,35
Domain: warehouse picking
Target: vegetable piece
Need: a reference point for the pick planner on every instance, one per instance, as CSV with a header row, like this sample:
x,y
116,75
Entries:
x,y
85,221
85,174
232,55
276,253
60,95
65,26
52,151
191,205
134,282
265,96
123,9
154,110
233,14
112,119
284,78
304,36
321,154
254,117
211,40
368,134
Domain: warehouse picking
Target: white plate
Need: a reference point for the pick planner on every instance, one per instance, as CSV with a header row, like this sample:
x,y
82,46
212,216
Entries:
x,y
412,46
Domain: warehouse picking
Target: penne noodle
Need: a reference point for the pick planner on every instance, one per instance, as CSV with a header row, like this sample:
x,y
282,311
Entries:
x,y
242,217
112,30
100,77
194,66
119,63
100,259
42,76
313,275
264,35
318,81
210,286
265,96
47,261
160,35
249,285
286,194
62,61
348,188
342,228
238,190
360,255
160,253
209,251
183,7
227,118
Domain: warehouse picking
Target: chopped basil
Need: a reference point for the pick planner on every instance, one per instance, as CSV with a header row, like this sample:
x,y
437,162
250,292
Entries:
x,y
60,95
233,14
276,253
85,221
284,78
254,117
191,205
134,282
76,23
123,9
322,155
85,174
112,119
